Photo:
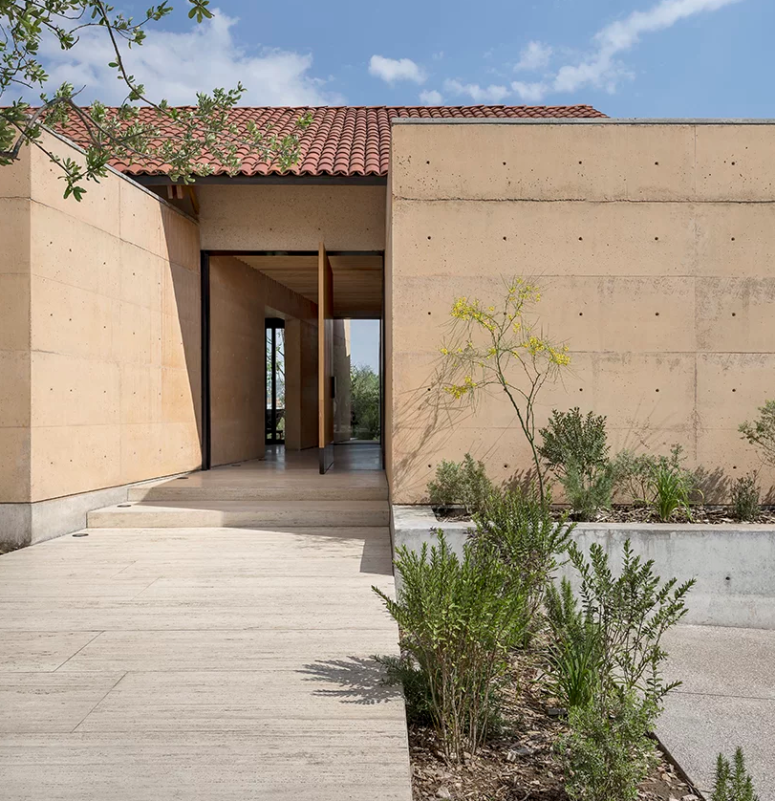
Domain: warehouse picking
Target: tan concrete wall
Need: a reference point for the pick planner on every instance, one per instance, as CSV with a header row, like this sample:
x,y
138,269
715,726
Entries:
x,y
15,408
111,285
654,246
280,217
240,299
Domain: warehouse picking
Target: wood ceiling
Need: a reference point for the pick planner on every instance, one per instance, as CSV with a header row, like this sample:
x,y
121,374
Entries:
x,y
357,280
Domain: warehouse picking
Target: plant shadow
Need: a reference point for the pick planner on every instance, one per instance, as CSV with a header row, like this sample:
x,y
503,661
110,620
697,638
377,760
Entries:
x,y
360,680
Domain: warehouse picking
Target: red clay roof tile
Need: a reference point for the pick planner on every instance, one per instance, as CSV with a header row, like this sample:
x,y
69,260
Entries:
x,y
343,140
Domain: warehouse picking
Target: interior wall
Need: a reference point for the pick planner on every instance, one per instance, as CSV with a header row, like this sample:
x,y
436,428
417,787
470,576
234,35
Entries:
x,y
240,299
654,247
100,329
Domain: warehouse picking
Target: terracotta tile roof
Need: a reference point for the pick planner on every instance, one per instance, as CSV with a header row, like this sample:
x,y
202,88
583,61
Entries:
x,y
346,140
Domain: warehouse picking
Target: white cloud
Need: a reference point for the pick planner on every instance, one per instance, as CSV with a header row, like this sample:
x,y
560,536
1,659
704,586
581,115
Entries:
x,y
430,97
529,92
479,94
535,56
176,66
601,68
393,69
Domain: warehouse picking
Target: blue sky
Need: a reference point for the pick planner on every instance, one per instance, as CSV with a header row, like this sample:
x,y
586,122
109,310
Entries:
x,y
674,58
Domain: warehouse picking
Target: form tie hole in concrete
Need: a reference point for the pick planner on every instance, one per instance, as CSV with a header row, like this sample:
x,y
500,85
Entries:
x,y
581,239
656,239
504,238
427,162
734,314
733,389
733,239
656,314
429,238
733,163
429,314
581,314
656,164
657,389
579,162
504,163
581,389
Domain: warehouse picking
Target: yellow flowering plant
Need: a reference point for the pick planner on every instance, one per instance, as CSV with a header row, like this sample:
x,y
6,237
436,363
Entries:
x,y
501,346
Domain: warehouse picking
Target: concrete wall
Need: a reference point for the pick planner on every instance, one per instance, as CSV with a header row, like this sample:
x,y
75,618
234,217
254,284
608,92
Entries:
x,y
99,334
281,217
342,401
734,566
654,246
240,299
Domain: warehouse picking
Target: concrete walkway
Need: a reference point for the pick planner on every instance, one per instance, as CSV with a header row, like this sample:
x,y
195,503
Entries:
x,y
727,699
214,664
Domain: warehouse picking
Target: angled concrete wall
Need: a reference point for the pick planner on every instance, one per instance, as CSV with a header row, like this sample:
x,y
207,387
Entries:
x,y
654,247
100,332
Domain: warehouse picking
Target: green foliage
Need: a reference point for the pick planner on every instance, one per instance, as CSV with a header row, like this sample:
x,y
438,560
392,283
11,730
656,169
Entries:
x,y
501,346
465,483
179,137
761,432
733,782
365,403
458,620
574,654
588,492
746,497
630,613
571,437
671,490
606,752
404,671
633,474
661,482
575,448
519,526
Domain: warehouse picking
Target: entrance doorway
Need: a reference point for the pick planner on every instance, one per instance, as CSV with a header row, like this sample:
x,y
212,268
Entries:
x,y
300,313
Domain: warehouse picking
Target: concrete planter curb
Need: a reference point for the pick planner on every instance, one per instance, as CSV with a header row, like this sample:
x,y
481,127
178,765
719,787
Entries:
x,y
734,565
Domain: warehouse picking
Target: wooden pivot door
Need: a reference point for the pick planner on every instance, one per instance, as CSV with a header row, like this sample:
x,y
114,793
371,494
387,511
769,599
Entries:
x,y
326,387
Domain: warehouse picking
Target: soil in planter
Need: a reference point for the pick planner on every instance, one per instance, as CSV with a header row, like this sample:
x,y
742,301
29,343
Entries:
x,y
707,515
520,763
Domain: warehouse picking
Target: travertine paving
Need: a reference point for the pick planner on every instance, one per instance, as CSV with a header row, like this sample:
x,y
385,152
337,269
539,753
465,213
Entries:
x,y
210,663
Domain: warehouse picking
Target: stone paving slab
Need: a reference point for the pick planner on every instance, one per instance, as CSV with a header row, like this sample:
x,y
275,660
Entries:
x,y
220,665
727,699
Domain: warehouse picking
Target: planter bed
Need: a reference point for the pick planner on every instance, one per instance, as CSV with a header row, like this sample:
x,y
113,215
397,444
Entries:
x,y
733,563
522,762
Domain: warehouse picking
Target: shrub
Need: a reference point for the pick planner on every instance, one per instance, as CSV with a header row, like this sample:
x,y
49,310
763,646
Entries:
x,y
501,347
630,614
465,483
574,653
404,671
733,783
519,526
632,473
458,619
606,752
365,402
745,497
671,488
575,448
761,432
